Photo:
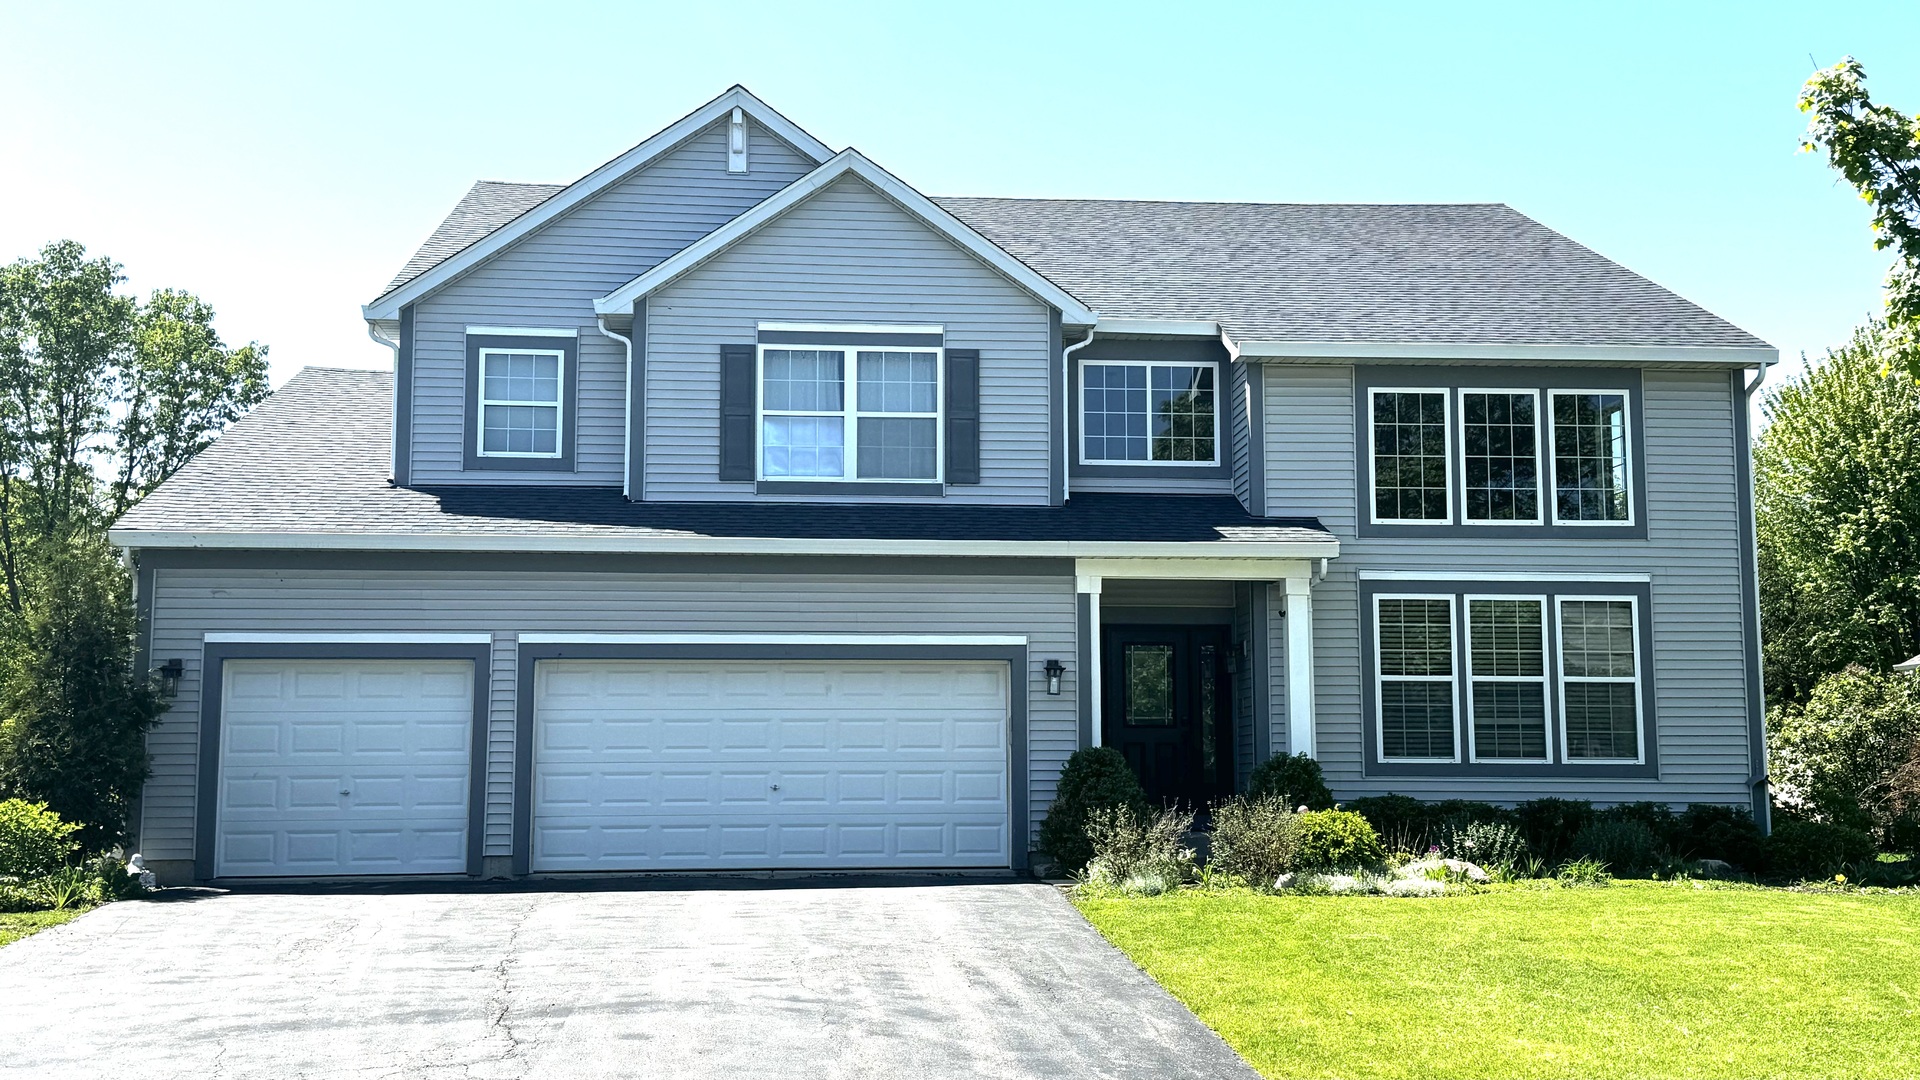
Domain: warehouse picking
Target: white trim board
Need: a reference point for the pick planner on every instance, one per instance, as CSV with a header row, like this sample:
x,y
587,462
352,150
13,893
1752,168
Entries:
x,y
1498,575
309,638
848,162
1735,355
388,305
524,331
771,639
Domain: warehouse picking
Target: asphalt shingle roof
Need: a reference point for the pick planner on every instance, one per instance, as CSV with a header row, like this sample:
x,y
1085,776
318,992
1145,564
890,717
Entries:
x,y
314,458
485,207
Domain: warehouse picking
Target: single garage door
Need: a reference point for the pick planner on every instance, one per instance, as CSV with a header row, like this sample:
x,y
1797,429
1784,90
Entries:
x,y
344,767
660,765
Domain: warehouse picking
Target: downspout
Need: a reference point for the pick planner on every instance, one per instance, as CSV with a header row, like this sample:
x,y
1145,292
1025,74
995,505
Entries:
x,y
626,435
1066,415
393,464
1757,783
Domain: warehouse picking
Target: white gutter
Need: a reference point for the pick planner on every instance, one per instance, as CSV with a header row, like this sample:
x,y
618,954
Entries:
x,y
710,545
393,463
1066,409
626,392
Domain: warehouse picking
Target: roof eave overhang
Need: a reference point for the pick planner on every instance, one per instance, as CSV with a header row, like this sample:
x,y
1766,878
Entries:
x,y
848,163
142,539
1741,356
389,304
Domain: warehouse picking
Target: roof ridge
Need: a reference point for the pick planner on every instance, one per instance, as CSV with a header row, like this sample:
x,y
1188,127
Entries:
x,y
1204,202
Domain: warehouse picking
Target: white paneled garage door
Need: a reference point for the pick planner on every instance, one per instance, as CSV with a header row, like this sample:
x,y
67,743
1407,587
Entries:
x,y
344,767
677,764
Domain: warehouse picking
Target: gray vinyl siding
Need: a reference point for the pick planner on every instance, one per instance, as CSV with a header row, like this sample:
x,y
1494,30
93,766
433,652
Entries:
x,y
1691,552
552,277
189,603
846,255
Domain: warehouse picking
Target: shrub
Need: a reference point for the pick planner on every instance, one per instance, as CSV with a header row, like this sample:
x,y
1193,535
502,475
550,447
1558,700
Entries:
x,y
1659,819
1551,824
34,842
1490,844
1838,758
1296,779
1399,821
1727,833
1256,840
1136,853
1628,848
1814,850
1095,777
1335,838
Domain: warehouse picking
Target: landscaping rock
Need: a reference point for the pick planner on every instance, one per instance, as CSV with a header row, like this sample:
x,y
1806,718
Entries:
x,y
1425,867
1713,868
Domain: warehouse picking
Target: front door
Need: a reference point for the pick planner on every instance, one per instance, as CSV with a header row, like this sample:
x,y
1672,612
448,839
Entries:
x,y
1166,704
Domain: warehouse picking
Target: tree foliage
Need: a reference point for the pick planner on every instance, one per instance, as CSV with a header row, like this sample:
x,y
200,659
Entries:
x,y
1837,512
1838,757
1876,148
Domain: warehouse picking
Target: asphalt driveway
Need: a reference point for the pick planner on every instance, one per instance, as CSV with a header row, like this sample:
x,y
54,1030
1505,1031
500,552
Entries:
x,y
733,980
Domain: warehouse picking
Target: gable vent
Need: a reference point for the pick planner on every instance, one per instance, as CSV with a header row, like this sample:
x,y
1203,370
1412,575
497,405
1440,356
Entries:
x,y
737,142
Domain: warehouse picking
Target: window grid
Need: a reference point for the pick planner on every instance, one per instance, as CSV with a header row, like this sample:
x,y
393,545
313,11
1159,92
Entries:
x,y
520,396
887,429
1600,718
1507,678
1591,471
1409,436
1500,456
1414,671
1143,412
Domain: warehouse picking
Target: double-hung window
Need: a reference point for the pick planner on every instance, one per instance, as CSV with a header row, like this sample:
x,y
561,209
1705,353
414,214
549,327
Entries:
x,y
1414,643
1590,483
1500,456
1599,678
1409,436
850,413
1137,412
520,403
1507,677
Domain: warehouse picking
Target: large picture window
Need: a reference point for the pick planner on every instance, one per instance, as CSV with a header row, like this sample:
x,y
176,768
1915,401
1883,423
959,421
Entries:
x,y
1414,639
812,427
1408,431
1144,413
520,396
1590,482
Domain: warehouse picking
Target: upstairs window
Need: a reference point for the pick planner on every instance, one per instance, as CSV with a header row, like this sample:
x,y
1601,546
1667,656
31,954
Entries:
x,y
1409,437
1590,457
1500,455
1136,412
814,427
520,396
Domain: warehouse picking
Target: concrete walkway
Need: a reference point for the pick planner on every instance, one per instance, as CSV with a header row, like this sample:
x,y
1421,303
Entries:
x,y
830,978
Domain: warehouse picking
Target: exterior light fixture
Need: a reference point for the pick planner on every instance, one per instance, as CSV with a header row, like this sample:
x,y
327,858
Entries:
x,y
1055,669
170,673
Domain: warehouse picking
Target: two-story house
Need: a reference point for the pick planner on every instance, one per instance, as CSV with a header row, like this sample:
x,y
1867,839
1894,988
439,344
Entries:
x,y
739,506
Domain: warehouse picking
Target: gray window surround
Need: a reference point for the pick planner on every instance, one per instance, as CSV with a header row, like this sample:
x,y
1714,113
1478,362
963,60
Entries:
x,y
569,347
1452,378
1550,587
1019,688
215,654
1159,351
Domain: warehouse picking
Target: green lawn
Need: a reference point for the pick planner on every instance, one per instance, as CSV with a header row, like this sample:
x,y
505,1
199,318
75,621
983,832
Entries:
x,y
1630,981
17,925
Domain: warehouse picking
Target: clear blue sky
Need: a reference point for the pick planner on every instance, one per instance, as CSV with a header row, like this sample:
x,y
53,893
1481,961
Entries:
x,y
283,160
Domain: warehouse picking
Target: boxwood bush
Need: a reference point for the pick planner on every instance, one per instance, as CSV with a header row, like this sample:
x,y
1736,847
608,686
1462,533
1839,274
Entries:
x,y
1331,839
1295,779
1097,776
1814,850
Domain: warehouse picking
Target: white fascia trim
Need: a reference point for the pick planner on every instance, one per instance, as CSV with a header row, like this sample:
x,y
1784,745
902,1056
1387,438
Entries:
x,y
525,331
853,328
772,639
1158,327
703,545
1197,569
388,306
303,638
1072,311
1736,356
1497,575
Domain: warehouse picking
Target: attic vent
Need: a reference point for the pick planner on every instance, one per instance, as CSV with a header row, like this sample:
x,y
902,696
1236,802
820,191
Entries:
x,y
737,142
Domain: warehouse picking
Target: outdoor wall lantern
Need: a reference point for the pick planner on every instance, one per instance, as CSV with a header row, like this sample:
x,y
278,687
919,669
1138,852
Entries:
x,y
170,673
1055,669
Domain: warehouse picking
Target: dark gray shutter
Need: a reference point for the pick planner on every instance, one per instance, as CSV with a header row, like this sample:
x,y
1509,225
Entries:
x,y
736,412
963,416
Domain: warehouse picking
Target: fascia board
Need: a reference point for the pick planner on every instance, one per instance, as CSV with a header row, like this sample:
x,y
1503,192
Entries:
x,y
1735,356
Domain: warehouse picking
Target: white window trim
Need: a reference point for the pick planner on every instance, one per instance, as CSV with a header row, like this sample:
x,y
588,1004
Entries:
x,y
850,412
558,404
1220,397
1546,692
1562,678
1380,679
1552,495
1539,498
1373,470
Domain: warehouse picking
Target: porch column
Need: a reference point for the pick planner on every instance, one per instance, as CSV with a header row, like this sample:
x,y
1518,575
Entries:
x,y
1299,615
1087,593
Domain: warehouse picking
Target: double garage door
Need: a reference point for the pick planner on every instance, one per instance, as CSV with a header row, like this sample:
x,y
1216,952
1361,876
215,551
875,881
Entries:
x,y
363,767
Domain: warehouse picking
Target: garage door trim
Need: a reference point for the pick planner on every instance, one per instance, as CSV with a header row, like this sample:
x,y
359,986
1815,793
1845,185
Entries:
x,y
216,653
532,652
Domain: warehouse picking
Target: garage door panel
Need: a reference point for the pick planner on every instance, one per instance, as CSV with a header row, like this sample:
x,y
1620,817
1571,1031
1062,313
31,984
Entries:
x,y
333,767
742,764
